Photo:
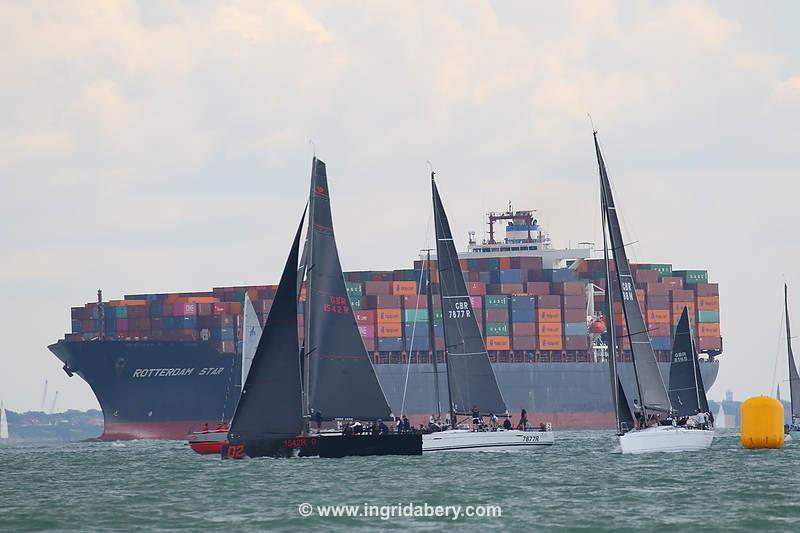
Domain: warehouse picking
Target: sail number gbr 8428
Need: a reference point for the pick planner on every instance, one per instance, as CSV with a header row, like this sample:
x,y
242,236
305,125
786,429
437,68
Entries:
x,y
460,310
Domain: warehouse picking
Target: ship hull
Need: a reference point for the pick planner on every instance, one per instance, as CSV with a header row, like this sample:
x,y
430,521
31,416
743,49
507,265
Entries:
x,y
165,390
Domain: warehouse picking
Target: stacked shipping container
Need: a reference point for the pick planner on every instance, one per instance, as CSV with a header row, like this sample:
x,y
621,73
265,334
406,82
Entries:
x,y
525,312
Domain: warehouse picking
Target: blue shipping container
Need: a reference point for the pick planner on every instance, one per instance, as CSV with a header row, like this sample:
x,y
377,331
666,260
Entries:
x,y
523,315
523,303
661,343
506,276
575,329
390,344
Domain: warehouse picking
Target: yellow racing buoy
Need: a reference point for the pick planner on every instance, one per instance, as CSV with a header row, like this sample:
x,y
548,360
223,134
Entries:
x,y
762,423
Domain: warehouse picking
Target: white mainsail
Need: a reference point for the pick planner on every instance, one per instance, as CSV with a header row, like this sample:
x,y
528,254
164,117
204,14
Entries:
x,y
3,423
251,334
719,419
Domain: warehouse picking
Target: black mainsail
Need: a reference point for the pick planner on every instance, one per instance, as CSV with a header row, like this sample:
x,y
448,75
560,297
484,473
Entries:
x,y
622,410
340,380
270,406
470,377
686,390
652,392
794,377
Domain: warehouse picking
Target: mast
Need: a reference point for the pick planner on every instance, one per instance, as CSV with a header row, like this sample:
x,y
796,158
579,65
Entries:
x,y
432,336
308,264
612,334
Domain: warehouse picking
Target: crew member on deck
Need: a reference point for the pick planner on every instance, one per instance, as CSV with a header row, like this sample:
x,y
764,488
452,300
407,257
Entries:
x,y
476,417
637,413
523,420
507,424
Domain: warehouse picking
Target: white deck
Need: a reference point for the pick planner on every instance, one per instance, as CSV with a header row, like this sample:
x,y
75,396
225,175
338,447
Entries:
x,y
466,440
665,439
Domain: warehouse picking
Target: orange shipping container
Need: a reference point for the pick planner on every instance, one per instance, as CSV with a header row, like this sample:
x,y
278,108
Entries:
x,y
658,316
640,297
463,263
505,263
303,294
117,303
549,315
708,303
390,329
403,288
550,329
388,316
498,343
551,343
708,330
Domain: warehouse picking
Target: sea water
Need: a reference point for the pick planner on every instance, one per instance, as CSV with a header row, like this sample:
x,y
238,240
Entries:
x,y
577,484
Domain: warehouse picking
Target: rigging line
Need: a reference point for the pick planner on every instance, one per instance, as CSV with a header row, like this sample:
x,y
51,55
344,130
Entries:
x,y
414,327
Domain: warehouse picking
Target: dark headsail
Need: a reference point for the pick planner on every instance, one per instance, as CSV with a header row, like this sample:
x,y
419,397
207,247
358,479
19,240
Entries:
x,y
652,392
794,378
341,381
471,379
686,390
270,405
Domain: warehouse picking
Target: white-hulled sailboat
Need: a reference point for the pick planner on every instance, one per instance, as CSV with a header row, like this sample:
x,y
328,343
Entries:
x,y
471,383
792,429
648,435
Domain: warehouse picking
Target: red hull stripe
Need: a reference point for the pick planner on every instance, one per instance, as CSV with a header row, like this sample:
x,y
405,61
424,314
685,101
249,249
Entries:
x,y
208,448
180,430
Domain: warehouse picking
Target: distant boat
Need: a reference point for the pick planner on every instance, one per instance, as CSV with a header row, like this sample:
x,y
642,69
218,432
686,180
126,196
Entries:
x,y
471,383
652,394
720,421
792,429
331,378
3,423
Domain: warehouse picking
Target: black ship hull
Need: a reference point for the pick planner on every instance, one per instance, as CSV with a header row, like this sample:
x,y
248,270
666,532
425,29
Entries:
x,y
328,446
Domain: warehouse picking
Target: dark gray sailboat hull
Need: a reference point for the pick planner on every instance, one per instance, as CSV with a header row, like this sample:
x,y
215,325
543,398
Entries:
x,y
328,446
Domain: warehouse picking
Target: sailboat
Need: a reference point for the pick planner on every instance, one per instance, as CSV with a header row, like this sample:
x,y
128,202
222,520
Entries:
x,y
649,435
471,383
3,423
209,441
330,378
792,429
686,390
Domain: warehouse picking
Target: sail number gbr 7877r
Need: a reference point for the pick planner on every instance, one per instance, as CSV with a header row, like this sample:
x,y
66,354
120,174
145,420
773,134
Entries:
x,y
460,310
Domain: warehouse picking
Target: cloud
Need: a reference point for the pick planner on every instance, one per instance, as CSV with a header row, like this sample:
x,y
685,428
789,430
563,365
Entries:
x,y
139,137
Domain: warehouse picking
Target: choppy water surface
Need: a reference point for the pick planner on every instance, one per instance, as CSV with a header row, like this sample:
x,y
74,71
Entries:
x,y
576,484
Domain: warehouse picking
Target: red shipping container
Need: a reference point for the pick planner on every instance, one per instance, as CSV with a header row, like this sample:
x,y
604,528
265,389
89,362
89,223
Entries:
x,y
476,288
645,276
707,289
682,295
365,317
572,316
709,343
576,343
477,302
495,315
569,288
524,329
537,288
657,289
523,342
384,301
672,282
574,301
658,302
219,308
369,343
366,330
376,288
122,324
418,301
548,302
527,263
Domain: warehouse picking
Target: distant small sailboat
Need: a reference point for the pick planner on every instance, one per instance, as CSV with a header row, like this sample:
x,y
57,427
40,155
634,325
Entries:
x,y
3,423
792,429
649,435
720,420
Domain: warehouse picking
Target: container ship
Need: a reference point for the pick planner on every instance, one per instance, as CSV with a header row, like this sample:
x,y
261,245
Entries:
x,y
162,365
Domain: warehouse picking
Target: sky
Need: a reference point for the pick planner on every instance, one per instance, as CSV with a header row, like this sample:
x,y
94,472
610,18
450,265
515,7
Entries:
x,y
164,146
